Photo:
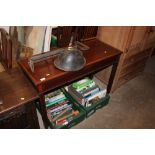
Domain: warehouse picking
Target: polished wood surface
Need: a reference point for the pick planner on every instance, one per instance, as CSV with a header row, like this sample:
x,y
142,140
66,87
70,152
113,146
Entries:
x,y
15,90
97,57
17,101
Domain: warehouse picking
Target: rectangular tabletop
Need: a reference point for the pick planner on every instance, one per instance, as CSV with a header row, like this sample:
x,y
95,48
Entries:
x,y
46,76
15,90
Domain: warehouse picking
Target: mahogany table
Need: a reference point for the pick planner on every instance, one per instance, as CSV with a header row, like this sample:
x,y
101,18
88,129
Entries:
x,y
17,96
46,77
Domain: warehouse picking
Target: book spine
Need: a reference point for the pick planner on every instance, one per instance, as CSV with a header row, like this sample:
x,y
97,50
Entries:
x,y
81,83
89,89
92,92
56,98
100,94
57,105
53,94
63,113
60,108
80,100
68,108
85,87
55,102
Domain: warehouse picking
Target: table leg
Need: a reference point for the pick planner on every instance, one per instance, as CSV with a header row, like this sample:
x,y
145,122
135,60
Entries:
x,y
112,75
34,116
43,110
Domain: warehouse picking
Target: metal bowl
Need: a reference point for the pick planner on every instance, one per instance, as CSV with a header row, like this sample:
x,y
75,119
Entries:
x,y
70,60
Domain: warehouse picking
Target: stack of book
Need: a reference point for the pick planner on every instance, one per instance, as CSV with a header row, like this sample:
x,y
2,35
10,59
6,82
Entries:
x,y
59,108
86,92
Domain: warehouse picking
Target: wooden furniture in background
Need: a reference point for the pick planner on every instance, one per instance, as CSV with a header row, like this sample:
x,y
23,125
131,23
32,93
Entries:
x,y
47,77
17,97
5,49
136,43
63,33
87,32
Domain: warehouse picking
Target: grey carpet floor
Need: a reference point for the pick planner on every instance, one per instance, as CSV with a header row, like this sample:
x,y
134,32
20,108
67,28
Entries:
x,y
132,106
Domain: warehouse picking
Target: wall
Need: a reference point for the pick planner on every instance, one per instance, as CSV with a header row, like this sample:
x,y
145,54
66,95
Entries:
x,y
6,28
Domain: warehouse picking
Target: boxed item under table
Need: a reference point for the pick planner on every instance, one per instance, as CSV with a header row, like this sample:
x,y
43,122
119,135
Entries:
x,y
62,111
88,94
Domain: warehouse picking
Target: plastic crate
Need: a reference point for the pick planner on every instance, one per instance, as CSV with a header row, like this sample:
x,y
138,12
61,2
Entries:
x,y
76,119
92,109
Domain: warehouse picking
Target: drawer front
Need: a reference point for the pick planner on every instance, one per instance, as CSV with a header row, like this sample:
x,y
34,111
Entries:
x,y
73,76
136,57
14,119
22,117
12,113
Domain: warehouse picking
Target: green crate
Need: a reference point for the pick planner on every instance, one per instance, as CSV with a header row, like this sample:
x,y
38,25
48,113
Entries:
x,y
103,102
77,119
92,109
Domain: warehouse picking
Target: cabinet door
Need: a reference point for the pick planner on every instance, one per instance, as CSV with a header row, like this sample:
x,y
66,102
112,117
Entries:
x,y
136,40
116,36
128,39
